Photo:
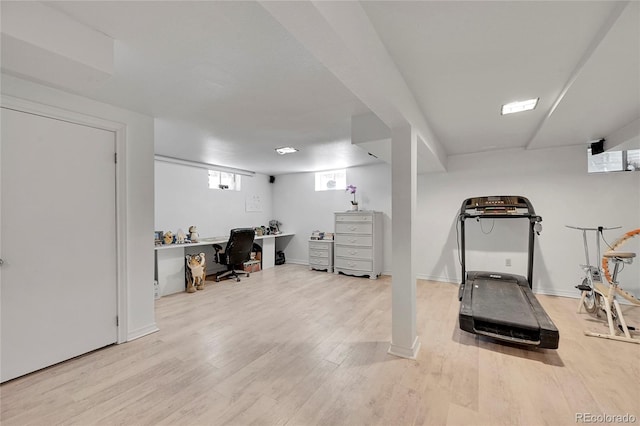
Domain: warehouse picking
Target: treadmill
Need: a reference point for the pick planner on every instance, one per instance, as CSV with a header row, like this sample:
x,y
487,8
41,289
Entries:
x,y
499,305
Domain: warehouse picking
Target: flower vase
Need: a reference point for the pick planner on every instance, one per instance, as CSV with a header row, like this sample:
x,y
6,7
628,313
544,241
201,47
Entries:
x,y
354,207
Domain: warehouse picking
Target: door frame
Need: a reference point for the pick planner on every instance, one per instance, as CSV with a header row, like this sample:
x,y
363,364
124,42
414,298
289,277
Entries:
x,y
119,129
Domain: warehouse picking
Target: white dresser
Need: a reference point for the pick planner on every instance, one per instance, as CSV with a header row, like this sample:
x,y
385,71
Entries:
x,y
321,255
358,243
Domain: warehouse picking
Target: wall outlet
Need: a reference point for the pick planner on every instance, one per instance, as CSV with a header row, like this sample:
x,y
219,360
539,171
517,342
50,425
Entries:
x,y
507,262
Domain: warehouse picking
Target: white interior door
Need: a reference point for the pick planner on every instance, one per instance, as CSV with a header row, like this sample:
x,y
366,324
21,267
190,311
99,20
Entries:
x,y
58,241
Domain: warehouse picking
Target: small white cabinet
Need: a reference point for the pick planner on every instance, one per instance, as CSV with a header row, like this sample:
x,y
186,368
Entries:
x,y
358,243
321,255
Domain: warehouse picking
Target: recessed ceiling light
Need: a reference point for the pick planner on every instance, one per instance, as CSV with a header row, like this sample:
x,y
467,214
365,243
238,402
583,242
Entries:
x,y
519,106
286,150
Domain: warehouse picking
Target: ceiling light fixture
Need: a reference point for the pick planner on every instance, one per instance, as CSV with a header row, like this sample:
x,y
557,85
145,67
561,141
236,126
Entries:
x,y
519,106
286,150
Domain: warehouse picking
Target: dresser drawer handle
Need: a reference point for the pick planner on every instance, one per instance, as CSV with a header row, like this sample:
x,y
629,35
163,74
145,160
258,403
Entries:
x,y
352,240
353,252
353,228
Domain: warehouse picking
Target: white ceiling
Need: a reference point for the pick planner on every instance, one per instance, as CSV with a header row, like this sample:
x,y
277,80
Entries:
x,y
230,81
463,60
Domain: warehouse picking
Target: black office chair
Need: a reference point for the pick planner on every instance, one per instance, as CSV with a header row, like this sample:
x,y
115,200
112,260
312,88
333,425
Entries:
x,y
237,252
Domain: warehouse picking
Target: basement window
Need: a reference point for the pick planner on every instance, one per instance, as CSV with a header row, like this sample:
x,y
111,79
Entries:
x,y
613,161
633,159
224,180
331,180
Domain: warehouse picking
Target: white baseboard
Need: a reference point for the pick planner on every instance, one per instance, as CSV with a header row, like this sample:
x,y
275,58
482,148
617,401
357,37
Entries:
x,y
298,262
570,293
141,332
439,279
575,294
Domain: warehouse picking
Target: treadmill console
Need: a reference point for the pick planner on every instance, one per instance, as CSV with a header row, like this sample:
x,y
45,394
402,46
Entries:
x,y
497,205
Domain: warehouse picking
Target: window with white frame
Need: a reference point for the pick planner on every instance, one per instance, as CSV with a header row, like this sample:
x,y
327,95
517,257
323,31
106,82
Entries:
x,y
331,180
633,159
613,161
224,180
604,162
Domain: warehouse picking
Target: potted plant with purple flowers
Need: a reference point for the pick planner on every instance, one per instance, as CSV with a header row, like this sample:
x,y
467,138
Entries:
x,y
354,204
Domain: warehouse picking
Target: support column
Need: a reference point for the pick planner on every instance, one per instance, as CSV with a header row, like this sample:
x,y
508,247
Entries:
x,y
404,160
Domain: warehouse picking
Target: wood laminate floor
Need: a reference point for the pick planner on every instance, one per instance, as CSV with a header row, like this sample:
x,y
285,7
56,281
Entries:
x,y
289,346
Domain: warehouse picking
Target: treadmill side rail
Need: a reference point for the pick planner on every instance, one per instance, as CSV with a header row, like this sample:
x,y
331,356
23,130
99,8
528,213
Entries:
x,y
466,313
549,335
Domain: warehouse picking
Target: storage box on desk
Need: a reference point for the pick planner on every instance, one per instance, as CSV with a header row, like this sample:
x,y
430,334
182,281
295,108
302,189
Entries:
x,y
252,266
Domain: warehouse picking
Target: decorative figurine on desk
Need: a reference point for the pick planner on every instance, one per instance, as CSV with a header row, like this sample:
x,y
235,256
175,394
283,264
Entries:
x,y
274,226
181,237
168,237
196,273
193,234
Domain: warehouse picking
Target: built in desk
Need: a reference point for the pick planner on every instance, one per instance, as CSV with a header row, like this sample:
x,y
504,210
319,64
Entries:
x,y
170,259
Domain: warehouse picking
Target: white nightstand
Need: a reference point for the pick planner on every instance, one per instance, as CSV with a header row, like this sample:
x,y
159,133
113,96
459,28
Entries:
x,y
321,255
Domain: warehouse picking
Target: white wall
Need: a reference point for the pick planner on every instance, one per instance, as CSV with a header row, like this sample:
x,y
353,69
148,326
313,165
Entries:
x,y
139,191
561,191
183,198
302,210
554,180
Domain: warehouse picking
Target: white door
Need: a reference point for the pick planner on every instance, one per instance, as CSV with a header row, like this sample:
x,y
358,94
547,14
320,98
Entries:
x,y
58,241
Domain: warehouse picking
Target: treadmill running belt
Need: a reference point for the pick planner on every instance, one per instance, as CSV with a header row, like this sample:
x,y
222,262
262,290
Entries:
x,y
503,302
